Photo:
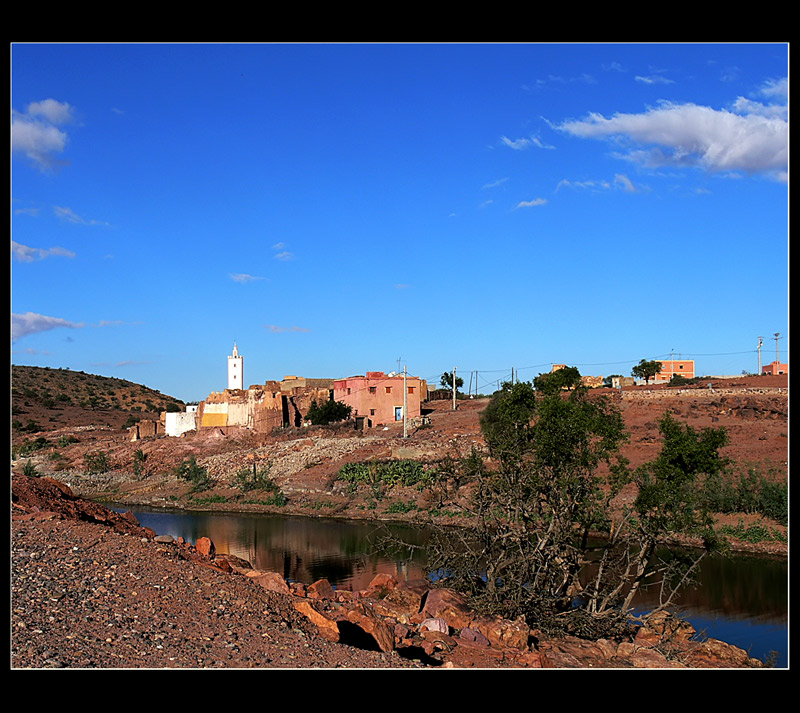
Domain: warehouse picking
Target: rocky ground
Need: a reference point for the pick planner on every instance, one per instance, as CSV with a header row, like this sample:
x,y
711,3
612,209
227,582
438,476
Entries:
x,y
93,589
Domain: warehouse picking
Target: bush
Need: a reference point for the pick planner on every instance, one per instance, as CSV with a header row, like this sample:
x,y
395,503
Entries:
x,y
29,469
248,479
96,462
750,492
388,473
195,474
329,412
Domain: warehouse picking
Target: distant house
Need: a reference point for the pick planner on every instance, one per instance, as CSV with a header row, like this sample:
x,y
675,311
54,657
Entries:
x,y
774,368
674,367
379,397
176,423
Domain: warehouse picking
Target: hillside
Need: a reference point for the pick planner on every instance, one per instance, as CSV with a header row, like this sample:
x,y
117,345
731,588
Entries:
x,y
44,399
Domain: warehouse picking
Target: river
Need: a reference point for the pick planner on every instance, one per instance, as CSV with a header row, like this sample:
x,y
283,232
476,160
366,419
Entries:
x,y
742,600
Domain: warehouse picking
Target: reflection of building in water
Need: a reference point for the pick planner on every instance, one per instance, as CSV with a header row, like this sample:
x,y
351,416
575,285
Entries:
x,y
304,550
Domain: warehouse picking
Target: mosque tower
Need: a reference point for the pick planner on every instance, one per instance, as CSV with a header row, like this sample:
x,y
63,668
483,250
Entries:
x,y
235,370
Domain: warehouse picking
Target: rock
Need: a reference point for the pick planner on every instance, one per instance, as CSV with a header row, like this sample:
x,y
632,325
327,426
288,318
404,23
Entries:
x,y
271,581
435,624
164,539
321,589
366,620
327,627
449,605
502,632
474,636
206,547
380,586
237,564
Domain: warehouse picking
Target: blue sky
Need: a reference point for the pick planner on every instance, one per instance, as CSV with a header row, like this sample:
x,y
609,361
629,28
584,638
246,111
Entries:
x,y
339,208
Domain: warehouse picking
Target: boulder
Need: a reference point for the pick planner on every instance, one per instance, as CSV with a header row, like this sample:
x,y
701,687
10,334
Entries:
x,y
206,547
449,605
503,632
271,581
327,627
321,589
370,623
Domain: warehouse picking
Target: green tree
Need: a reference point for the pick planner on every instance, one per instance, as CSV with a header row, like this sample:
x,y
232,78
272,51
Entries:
x,y
555,470
330,412
646,370
567,377
447,380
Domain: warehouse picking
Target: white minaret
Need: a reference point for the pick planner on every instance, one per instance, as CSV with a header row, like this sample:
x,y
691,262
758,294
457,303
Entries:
x,y
235,370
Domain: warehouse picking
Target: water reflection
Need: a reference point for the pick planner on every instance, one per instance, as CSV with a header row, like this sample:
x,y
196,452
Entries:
x,y
741,599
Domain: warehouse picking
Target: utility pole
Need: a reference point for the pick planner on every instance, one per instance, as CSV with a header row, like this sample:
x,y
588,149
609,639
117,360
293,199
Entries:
x,y
405,400
777,349
760,342
455,388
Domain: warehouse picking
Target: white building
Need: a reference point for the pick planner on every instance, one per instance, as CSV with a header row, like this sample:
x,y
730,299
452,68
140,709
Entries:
x,y
235,370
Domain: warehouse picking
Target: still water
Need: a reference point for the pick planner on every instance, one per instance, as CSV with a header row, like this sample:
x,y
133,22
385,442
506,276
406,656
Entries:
x,y
742,600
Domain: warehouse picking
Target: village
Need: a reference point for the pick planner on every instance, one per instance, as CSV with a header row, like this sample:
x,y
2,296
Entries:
x,y
375,398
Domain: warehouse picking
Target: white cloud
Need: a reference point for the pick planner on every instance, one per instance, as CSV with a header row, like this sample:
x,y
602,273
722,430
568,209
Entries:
x,y
653,79
275,329
23,325
530,204
525,143
516,144
55,112
23,253
620,179
495,184
35,132
692,135
72,217
589,185
284,255
244,277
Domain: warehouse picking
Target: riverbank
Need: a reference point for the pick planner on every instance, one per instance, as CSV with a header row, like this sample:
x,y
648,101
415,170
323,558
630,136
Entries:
x,y
93,589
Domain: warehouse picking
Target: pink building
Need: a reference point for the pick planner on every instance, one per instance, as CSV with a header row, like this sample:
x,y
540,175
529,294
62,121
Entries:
x,y
774,368
378,397
674,367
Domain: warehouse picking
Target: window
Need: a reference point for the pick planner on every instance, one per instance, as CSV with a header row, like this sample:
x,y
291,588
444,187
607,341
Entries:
x,y
348,391
410,389
388,389
372,412
373,389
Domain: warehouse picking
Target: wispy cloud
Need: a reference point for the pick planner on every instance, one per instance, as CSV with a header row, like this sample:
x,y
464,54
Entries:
x,y
71,216
402,286
495,184
620,181
525,143
27,211
35,132
531,203
243,277
653,79
752,139
275,329
23,325
283,255
23,253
